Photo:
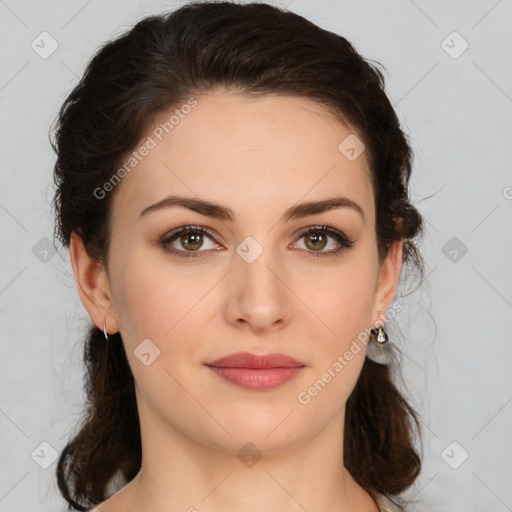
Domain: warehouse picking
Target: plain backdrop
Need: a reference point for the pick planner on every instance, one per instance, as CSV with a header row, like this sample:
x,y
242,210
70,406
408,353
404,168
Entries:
x,y
449,75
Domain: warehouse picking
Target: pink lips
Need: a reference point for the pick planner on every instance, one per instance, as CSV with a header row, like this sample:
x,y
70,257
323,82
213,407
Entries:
x,y
251,371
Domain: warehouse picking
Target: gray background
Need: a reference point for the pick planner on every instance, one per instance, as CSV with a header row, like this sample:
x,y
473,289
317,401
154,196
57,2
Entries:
x,y
457,343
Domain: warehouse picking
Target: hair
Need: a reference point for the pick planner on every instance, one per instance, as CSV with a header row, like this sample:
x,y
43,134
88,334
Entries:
x,y
254,49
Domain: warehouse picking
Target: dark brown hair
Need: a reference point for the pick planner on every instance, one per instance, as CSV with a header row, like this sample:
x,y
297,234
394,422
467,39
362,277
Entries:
x,y
254,49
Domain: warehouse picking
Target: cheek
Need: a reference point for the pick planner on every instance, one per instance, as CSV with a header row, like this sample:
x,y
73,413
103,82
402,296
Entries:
x,y
159,305
150,297
343,304
170,307
338,343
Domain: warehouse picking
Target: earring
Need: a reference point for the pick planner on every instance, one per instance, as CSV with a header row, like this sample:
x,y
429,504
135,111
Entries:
x,y
105,331
379,350
382,337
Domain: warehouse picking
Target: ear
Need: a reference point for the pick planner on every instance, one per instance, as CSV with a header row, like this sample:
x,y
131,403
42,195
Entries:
x,y
92,284
387,283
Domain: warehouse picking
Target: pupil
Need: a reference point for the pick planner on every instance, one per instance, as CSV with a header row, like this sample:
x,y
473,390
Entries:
x,y
196,240
316,238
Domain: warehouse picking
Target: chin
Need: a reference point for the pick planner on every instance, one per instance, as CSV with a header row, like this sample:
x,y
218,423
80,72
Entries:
x,y
258,437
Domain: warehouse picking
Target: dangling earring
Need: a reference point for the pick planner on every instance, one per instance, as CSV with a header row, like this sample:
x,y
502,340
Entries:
x,y
105,331
378,349
382,337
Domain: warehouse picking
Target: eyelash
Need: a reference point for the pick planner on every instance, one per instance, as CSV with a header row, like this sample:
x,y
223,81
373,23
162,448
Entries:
x,y
343,241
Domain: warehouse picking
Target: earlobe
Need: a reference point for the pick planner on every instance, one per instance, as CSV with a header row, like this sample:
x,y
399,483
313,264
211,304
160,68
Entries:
x,y
92,284
387,284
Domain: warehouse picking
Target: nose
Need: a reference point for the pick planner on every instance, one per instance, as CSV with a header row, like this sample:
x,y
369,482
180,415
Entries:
x,y
258,298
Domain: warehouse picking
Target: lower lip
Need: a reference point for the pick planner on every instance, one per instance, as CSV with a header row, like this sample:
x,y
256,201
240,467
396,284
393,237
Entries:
x,y
261,378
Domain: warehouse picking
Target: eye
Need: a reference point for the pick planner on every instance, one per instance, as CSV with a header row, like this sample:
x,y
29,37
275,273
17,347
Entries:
x,y
316,237
191,239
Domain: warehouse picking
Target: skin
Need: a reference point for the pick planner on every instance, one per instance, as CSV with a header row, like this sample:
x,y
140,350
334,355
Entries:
x,y
258,157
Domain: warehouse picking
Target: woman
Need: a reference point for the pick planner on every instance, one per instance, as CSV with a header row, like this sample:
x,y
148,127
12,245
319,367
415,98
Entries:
x,y
232,185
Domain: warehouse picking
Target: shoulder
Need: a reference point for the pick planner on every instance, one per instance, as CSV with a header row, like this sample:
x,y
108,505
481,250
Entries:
x,y
384,503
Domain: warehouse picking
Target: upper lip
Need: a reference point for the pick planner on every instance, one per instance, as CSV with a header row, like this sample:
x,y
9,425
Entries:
x,y
248,360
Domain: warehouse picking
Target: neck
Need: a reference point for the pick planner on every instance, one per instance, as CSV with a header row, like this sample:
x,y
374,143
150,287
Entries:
x,y
180,474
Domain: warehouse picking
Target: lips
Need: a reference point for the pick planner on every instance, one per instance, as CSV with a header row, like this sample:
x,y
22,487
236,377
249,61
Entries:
x,y
255,372
248,360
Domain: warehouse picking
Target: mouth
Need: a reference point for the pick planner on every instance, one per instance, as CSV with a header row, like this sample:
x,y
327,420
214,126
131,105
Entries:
x,y
257,379
252,371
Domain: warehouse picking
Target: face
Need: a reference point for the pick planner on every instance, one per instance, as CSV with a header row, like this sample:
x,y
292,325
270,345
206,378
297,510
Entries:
x,y
260,276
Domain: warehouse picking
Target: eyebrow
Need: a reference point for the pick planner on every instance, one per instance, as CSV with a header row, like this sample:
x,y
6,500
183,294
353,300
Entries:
x,y
220,212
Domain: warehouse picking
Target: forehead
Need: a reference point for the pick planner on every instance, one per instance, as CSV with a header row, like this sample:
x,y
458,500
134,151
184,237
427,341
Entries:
x,y
248,153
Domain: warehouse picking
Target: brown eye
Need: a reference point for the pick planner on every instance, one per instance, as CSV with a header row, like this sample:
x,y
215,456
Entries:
x,y
188,239
316,241
317,238
191,240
